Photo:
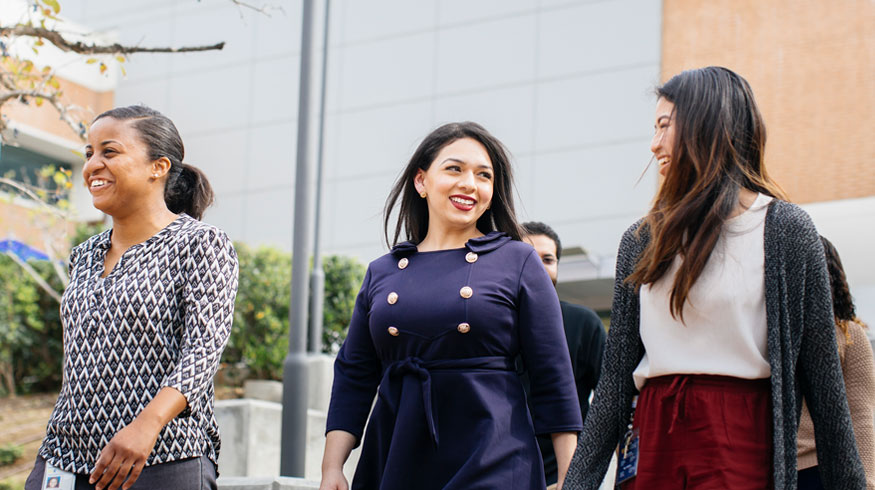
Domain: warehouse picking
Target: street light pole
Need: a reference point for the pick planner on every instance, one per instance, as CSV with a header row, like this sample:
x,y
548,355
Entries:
x,y
317,277
295,378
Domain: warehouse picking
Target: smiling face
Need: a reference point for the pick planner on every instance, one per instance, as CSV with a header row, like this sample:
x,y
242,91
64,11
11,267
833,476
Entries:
x,y
117,170
664,136
458,184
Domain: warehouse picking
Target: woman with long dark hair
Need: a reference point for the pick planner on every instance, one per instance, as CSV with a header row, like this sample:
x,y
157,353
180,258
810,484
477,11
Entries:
x,y
437,325
146,316
721,319
858,371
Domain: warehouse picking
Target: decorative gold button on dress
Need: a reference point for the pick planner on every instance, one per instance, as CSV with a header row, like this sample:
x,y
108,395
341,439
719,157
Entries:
x,y
393,331
393,298
466,292
402,264
471,257
464,328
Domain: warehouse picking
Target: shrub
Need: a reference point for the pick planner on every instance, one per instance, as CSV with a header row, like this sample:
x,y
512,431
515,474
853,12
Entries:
x,y
260,335
9,454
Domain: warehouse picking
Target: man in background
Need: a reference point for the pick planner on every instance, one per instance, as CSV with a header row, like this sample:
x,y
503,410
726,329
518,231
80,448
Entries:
x,y
584,333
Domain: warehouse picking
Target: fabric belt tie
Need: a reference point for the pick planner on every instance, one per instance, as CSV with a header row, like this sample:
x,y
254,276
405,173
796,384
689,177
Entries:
x,y
678,387
414,368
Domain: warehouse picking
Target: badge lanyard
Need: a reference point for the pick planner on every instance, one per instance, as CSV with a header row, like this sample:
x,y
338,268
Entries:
x,y
627,453
56,478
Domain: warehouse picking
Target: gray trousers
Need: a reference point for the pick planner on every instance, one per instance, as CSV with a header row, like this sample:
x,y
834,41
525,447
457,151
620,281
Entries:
x,y
187,474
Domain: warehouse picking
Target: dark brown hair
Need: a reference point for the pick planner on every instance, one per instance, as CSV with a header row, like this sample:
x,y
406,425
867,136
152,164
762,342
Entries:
x,y
538,228
842,302
187,189
720,141
413,211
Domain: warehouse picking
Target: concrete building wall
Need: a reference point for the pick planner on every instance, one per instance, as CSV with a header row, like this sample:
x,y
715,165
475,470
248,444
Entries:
x,y
565,84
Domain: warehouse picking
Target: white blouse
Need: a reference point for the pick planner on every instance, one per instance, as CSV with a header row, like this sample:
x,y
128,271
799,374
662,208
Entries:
x,y
724,327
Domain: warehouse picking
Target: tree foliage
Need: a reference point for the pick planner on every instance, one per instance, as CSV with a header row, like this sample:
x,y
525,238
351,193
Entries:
x,y
260,335
26,79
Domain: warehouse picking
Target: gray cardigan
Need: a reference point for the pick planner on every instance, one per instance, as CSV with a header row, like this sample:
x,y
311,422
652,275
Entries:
x,y
802,355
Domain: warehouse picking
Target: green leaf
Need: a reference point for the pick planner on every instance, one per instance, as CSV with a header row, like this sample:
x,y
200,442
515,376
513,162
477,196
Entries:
x,y
54,5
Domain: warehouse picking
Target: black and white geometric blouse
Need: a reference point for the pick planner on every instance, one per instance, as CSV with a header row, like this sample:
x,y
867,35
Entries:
x,y
161,318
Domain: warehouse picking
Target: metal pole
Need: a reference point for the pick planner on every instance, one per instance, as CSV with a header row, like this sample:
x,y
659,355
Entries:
x,y
295,379
317,277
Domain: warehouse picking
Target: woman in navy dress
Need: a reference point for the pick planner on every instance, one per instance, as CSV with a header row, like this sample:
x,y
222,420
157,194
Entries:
x,y
436,326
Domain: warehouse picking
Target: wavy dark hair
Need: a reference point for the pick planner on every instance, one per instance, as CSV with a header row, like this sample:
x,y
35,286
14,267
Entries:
x,y
413,210
842,301
719,145
186,189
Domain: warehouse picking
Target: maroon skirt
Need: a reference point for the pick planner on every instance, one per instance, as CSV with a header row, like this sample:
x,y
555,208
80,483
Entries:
x,y
704,432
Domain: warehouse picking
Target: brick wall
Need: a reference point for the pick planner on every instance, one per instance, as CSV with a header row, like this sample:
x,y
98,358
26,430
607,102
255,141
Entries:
x,y
812,68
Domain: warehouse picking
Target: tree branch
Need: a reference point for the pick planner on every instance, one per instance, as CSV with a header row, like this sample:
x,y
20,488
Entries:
x,y
263,10
32,195
35,275
63,110
63,44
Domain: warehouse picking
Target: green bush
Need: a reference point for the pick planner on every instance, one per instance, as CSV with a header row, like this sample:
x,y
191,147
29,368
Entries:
x,y
31,336
9,454
260,335
30,329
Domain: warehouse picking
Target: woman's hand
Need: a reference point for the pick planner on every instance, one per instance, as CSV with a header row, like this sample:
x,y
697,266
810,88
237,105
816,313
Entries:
x,y
125,455
122,460
338,445
333,480
564,444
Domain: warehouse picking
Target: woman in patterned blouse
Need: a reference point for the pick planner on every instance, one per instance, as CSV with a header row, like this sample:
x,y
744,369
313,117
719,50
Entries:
x,y
146,316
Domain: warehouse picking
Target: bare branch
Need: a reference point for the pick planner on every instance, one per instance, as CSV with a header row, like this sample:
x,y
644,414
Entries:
x,y
25,190
63,44
264,9
35,275
56,264
63,110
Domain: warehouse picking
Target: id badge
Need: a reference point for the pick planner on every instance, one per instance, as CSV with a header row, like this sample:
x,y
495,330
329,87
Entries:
x,y
627,458
55,478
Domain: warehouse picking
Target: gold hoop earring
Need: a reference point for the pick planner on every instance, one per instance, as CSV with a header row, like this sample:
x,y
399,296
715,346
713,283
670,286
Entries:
x,y
422,194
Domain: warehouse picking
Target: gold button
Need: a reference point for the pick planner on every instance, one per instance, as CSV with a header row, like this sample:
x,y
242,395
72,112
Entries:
x,y
464,328
393,331
466,292
471,257
393,298
402,264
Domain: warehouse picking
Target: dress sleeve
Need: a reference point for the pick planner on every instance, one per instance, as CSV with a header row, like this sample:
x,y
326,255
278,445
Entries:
x,y
545,352
859,372
208,296
356,372
820,377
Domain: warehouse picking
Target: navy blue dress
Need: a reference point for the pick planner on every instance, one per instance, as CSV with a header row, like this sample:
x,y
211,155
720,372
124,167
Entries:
x,y
434,334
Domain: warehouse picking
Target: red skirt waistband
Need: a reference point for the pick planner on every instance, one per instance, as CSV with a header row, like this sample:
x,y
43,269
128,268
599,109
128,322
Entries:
x,y
712,380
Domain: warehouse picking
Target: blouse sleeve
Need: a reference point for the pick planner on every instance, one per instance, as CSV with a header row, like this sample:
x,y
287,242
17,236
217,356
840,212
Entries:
x,y
545,352
859,373
208,296
356,372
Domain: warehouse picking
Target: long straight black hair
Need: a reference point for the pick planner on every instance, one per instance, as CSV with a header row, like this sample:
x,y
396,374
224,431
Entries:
x,y
413,210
